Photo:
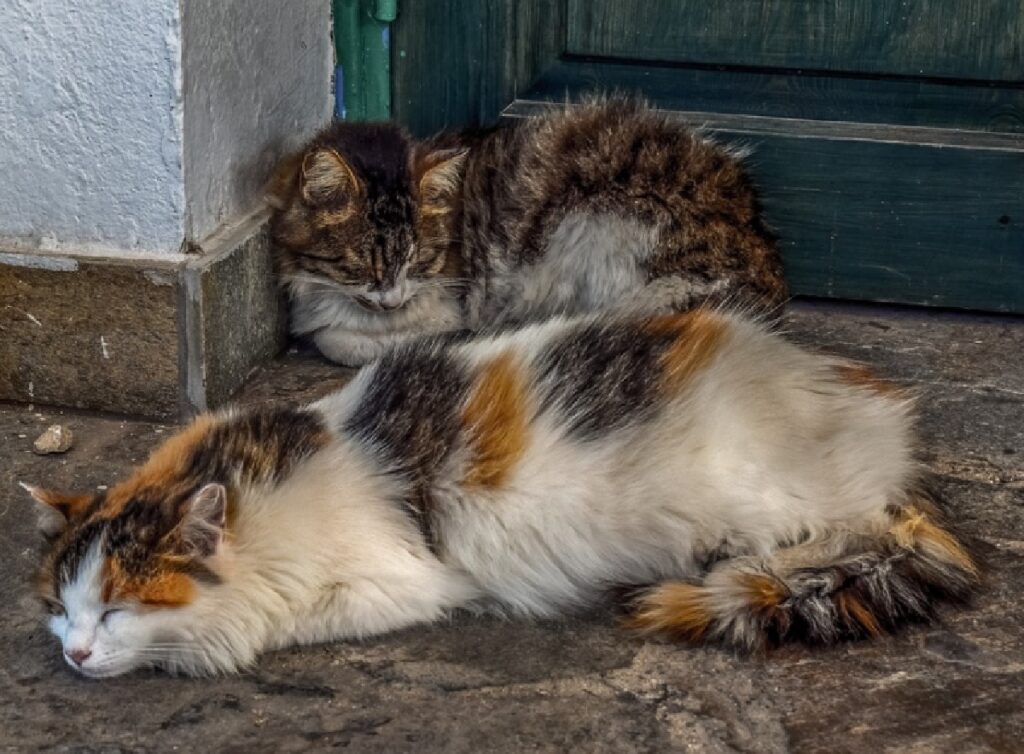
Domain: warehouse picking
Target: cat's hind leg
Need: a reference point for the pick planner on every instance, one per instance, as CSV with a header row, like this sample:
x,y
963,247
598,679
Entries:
x,y
847,585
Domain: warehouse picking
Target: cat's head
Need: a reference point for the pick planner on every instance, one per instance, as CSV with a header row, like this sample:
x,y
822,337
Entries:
x,y
365,211
124,572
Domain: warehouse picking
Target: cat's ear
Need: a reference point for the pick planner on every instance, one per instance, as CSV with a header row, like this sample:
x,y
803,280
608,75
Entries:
x,y
441,171
327,179
202,523
54,509
282,184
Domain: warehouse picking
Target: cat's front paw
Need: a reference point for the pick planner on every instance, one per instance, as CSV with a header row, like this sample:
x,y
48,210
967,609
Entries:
x,y
349,349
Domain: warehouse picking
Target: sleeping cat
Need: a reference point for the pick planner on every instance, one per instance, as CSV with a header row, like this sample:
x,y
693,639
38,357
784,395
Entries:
x,y
605,205
747,491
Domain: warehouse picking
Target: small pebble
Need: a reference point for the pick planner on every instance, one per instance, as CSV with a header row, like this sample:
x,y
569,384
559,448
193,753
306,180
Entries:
x,y
56,439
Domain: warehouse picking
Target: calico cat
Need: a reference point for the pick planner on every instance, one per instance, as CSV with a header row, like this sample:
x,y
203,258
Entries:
x,y
605,205
747,492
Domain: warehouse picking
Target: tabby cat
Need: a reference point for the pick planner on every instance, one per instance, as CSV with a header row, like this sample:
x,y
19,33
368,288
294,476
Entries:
x,y
605,205
744,491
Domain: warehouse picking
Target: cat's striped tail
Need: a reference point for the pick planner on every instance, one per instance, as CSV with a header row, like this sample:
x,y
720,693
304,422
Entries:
x,y
845,586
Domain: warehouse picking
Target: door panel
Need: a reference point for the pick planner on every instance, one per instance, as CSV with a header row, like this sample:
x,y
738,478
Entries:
x,y
459,62
890,102
963,39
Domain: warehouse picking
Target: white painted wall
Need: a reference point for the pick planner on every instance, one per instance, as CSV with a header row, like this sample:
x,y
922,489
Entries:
x,y
90,125
257,81
128,126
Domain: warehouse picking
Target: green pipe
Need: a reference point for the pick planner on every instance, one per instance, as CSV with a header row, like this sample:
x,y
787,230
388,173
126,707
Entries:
x,y
362,48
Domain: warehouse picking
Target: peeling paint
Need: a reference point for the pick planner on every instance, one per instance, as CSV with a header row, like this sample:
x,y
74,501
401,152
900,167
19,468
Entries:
x,y
103,347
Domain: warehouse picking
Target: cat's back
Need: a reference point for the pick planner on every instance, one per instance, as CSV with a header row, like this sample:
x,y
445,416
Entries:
x,y
589,150
596,200
615,136
646,432
597,379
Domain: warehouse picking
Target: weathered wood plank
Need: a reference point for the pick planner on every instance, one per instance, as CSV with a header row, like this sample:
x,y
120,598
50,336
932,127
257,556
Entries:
x,y
822,97
961,39
458,62
897,222
447,62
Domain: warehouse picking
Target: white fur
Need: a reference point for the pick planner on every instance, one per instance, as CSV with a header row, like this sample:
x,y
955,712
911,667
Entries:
x,y
353,335
590,262
761,449
763,446
317,559
117,640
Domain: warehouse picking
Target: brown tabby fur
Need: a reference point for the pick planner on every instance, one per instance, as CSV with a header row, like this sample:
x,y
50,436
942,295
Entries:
x,y
474,210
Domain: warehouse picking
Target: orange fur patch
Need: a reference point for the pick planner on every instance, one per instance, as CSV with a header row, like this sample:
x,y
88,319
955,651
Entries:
x,y
914,529
859,375
336,217
281,187
70,505
856,613
906,527
699,335
677,609
764,596
496,421
763,592
163,470
167,588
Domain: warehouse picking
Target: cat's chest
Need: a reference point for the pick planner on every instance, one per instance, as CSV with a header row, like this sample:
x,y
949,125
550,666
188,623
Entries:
x,y
433,310
589,262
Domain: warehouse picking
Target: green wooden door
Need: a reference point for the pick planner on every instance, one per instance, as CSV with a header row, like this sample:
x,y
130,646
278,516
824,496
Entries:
x,y
888,134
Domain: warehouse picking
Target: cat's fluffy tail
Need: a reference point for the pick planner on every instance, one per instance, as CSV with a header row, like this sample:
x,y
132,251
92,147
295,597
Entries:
x,y
842,587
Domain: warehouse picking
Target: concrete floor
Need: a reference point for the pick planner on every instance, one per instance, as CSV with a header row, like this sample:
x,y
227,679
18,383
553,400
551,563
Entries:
x,y
484,685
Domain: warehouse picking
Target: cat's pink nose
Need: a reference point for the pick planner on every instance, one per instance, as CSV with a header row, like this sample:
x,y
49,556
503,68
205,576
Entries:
x,y
391,298
78,656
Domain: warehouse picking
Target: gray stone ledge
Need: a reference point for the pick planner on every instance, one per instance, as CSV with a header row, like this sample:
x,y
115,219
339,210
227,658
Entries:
x,y
142,337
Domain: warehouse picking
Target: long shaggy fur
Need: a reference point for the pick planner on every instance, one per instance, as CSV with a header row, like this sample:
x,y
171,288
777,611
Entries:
x,y
764,493
846,586
601,205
